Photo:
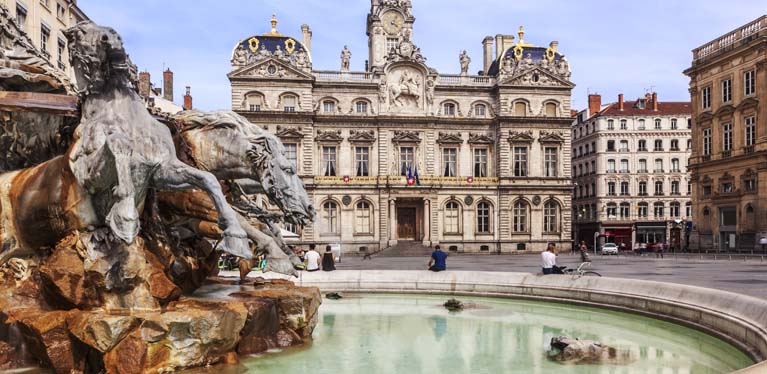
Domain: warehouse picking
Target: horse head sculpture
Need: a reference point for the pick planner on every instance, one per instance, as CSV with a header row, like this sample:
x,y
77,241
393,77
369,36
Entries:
x,y
230,147
97,55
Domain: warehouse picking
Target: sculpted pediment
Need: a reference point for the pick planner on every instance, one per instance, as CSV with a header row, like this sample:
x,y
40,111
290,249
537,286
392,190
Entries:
x,y
551,137
362,136
329,136
406,137
289,132
449,138
270,68
521,136
480,138
536,77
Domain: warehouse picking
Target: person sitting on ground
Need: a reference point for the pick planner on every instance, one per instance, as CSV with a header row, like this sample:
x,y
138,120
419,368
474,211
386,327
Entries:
x,y
328,261
548,260
437,261
312,259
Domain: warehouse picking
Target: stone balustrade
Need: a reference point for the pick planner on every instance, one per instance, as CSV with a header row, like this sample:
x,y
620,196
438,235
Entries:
x,y
730,39
401,180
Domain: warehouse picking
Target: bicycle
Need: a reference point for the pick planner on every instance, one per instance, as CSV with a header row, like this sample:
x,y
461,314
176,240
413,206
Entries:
x,y
579,271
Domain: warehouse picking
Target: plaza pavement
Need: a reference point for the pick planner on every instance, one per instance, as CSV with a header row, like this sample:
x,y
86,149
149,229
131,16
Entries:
x,y
744,277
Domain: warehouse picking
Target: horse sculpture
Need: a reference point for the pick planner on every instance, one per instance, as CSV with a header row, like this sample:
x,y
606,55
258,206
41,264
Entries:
x,y
231,148
409,86
119,152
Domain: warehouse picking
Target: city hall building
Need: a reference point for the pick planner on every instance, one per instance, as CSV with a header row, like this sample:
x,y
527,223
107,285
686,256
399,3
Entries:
x,y
402,155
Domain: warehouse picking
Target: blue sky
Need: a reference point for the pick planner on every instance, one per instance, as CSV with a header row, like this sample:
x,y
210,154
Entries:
x,y
612,46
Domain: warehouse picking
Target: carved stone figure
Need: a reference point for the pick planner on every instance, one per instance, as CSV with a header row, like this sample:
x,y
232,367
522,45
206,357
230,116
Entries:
x,y
346,56
465,61
407,91
263,53
240,56
279,53
430,90
574,351
301,59
382,90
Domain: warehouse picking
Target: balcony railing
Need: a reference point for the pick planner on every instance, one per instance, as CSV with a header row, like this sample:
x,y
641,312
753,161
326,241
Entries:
x,y
397,180
749,149
344,75
658,171
705,158
642,171
726,154
722,44
465,80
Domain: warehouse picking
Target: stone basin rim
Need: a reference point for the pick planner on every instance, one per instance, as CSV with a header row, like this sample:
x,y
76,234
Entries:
x,y
740,320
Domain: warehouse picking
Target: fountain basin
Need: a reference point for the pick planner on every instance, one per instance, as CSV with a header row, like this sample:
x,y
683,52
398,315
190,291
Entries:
x,y
737,319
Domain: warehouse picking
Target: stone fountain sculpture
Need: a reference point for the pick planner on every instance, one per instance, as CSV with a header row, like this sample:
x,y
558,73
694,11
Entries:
x,y
100,244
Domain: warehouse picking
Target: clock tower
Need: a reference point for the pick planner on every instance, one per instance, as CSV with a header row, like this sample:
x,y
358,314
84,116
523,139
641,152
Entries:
x,y
389,23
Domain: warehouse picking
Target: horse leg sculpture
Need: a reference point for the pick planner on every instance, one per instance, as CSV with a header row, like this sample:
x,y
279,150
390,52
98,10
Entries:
x,y
123,217
178,176
277,260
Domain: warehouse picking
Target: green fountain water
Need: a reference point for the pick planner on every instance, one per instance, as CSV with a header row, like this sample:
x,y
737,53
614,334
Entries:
x,y
415,334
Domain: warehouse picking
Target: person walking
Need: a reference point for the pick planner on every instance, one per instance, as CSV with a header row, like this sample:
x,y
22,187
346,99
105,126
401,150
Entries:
x,y
548,260
328,261
437,262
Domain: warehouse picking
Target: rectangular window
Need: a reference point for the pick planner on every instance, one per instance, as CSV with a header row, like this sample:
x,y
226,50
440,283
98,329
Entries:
x,y
726,91
624,125
674,124
624,146
479,111
749,185
391,43
727,187
642,211
610,124
611,146
362,107
406,158
61,12
642,188
480,162
706,190
624,188
659,208
611,166
610,188
749,82
658,165
362,161
658,188
328,107
45,34
61,48
727,137
255,107
657,124
624,166
750,131
362,218
449,161
291,153
706,142
289,103
675,187
658,145
705,97
642,166
641,125
483,218
550,162
21,15
329,161
520,161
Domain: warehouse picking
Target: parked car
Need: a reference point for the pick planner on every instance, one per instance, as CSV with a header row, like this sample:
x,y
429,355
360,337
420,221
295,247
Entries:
x,y
609,249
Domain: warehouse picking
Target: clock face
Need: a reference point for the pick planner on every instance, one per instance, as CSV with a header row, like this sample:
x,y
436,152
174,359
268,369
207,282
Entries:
x,y
392,22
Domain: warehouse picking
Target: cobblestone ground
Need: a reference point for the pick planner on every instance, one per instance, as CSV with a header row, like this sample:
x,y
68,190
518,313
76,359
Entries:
x,y
738,275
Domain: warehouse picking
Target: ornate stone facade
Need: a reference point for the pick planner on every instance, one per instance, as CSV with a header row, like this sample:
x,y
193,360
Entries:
x,y
401,153
728,83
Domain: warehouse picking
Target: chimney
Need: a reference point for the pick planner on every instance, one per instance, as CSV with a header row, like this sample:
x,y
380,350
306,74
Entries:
x,y
307,33
595,104
167,84
498,46
655,101
144,83
508,41
620,102
487,48
188,99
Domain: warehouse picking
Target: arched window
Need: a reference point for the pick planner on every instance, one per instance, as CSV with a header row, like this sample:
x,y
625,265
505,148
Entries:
x,y
612,210
330,217
642,210
551,217
448,109
657,124
452,218
625,210
551,110
641,125
658,210
610,124
289,102
642,145
520,109
483,218
328,106
675,210
480,110
254,102
520,217
363,218
361,107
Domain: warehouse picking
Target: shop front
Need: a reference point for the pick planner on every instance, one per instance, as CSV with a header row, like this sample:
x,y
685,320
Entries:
x,y
648,233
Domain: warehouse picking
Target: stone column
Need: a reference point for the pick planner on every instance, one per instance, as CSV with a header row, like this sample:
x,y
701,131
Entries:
x,y
427,222
392,222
